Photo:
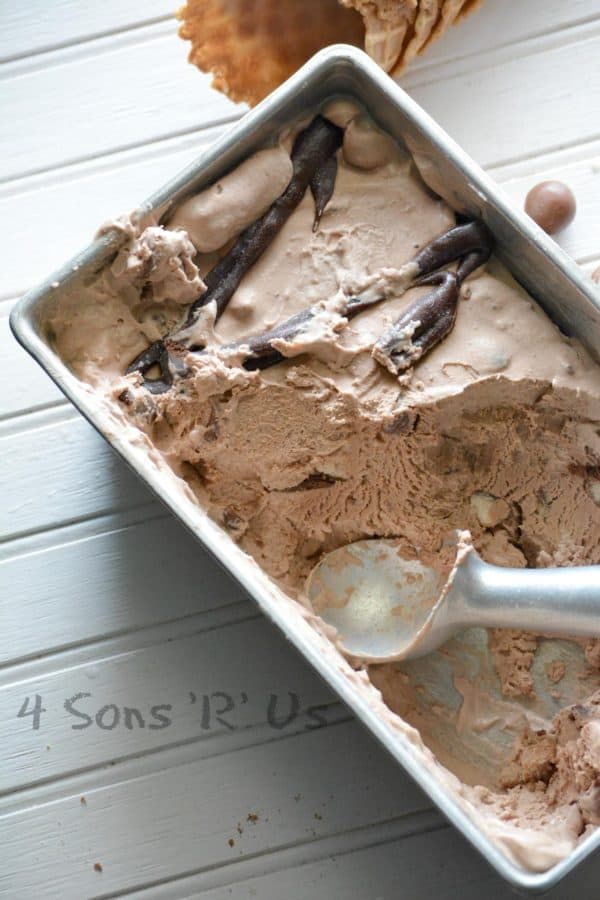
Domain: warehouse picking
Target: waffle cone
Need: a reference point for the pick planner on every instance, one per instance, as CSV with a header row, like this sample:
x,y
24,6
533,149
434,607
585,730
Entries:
x,y
252,46
451,11
423,25
386,25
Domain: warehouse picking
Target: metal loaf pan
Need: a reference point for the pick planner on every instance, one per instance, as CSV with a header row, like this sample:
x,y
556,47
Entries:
x,y
567,295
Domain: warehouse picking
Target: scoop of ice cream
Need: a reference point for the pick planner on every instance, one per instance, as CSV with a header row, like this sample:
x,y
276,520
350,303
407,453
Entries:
x,y
159,264
565,757
218,214
340,111
366,147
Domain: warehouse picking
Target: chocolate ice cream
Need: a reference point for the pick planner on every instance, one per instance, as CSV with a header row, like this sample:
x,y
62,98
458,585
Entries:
x,y
407,398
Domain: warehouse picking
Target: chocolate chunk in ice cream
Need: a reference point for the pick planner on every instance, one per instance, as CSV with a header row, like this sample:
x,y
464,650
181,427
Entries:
x,y
312,149
423,325
428,320
321,187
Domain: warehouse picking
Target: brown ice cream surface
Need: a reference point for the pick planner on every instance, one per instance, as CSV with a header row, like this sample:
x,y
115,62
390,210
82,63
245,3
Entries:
x,y
495,430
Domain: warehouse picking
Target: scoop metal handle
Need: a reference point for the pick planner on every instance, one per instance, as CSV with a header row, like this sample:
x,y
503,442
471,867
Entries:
x,y
385,607
554,601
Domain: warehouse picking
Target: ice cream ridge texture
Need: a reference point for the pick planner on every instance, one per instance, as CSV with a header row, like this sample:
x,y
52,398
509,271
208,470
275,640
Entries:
x,y
322,351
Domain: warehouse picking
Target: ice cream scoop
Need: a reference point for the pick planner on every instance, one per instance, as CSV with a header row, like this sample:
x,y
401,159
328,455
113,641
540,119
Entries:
x,y
386,607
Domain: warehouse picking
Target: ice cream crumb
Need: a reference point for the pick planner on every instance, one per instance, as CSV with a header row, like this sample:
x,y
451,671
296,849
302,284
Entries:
x,y
555,671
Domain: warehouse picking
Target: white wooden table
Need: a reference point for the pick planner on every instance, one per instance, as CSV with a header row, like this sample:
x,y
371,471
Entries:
x,y
121,643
